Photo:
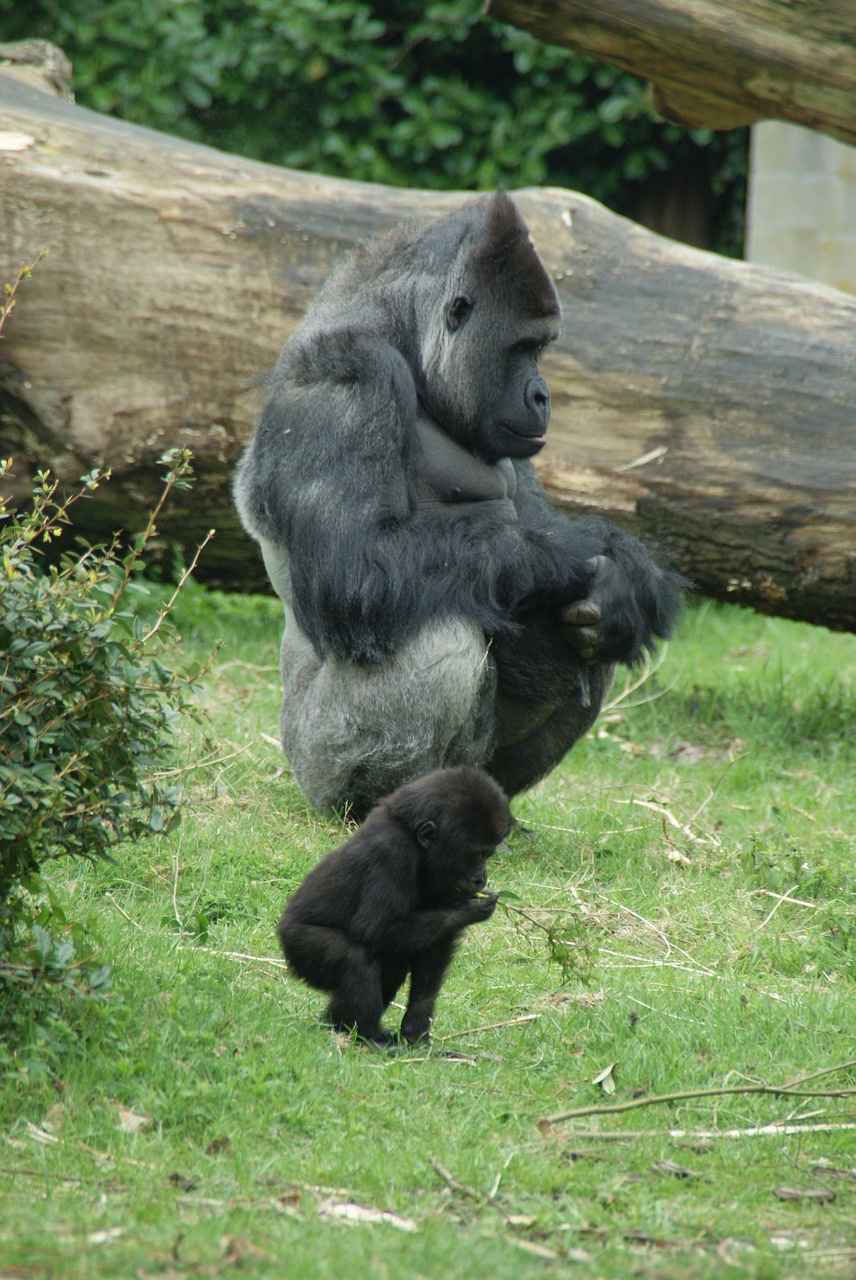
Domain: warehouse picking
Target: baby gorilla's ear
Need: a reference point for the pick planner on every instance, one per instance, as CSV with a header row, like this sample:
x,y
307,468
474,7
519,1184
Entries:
x,y
425,833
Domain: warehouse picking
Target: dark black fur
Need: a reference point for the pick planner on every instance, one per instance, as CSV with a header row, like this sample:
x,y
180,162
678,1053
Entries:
x,y
418,362
395,899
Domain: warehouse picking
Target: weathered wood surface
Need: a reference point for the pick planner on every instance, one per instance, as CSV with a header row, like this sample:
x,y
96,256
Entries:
x,y
175,273
719,63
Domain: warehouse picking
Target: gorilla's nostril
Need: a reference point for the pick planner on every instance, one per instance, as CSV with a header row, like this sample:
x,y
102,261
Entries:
x,y
537,397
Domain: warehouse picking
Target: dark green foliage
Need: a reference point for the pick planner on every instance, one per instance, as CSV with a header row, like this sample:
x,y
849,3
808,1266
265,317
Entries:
x,y
50,969
88,704
401,93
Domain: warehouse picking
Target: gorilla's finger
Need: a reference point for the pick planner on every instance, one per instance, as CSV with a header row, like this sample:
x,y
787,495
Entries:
x,y
583,640
582,613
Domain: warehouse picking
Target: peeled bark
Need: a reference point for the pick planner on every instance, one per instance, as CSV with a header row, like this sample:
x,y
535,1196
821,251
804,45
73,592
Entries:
x,y
175,273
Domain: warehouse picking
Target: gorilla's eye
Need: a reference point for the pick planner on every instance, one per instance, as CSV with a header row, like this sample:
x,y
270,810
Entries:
x,y
457,311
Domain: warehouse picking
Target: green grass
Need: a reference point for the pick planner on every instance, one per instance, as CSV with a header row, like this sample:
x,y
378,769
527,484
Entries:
x,y
679,902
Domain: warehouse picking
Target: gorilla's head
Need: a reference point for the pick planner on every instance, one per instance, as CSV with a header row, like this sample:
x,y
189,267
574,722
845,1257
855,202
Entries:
x,y
467,302
457,816
482,323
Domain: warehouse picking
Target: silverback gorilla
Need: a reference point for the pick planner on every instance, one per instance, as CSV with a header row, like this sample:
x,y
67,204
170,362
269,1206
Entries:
x,y
394,900
437,610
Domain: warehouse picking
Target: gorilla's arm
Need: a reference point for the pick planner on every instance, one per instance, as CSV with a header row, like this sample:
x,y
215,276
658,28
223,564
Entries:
x,y
629,602
385,921
329,478
427,971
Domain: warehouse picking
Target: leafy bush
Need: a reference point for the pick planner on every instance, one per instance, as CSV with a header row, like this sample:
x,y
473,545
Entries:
x,y
409,94
88,705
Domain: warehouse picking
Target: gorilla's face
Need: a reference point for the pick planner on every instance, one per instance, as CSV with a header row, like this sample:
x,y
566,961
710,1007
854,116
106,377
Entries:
x,y
484,325
516,400
487,391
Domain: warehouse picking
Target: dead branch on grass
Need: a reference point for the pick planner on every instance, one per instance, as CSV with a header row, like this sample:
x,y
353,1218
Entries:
x,y
122,912
702,1135
454,1185
236,955
490,1026
790,1090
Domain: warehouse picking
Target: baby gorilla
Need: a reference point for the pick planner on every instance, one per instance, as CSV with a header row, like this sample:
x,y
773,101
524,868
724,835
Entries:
x,y
394,900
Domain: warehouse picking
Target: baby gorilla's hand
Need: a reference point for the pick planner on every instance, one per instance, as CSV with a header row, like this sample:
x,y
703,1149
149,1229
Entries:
x,y
481,906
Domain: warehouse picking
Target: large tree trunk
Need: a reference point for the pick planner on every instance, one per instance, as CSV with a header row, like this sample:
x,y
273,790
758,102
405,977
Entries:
x,y
719,64
702,401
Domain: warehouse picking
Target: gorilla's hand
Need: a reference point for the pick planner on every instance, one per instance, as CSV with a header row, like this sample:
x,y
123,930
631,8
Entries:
x,y
605,626
480,907
580,626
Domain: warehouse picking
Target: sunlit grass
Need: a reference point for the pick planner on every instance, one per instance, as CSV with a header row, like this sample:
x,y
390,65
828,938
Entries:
x,y
678,901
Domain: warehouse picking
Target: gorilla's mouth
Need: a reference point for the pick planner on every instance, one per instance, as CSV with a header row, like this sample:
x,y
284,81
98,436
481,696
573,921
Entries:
x,y
467,891
536,439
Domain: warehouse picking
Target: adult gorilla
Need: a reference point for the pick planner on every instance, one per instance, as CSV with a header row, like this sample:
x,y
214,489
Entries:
x,y
437,611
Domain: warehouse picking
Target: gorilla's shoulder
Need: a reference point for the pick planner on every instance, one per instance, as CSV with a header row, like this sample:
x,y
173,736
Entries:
x,y
346,356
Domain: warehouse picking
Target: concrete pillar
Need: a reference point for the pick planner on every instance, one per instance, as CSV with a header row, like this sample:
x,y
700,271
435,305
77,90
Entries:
x,y
801,213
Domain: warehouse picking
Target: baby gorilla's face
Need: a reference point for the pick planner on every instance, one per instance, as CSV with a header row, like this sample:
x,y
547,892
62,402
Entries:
x,y
472,882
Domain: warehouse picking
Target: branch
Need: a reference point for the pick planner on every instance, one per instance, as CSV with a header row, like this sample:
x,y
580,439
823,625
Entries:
x,y
791,1090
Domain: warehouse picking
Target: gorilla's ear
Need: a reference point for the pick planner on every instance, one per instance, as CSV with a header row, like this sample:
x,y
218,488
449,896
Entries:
x,y
425,833
458,311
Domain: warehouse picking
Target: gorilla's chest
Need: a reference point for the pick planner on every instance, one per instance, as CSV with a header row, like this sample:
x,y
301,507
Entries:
x,y
448,475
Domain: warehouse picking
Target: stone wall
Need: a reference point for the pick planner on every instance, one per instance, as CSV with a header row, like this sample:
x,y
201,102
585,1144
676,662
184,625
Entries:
x,y
801,213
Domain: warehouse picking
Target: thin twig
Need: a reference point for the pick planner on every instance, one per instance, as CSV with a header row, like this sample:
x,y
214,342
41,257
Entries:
x,y
452,1183
785,897
235,955
702,1135
645,962
713,790
791,1089
176,871
7,307
636,916
163,613
122,911
667,816
781,898
17,1172
206,762
650,668
664,1012
491,1026
261,669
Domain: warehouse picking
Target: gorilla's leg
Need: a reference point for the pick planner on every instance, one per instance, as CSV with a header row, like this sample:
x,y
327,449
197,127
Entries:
x,y
357,1003
326,959
393,971
319,955
355,732
547,698
427,971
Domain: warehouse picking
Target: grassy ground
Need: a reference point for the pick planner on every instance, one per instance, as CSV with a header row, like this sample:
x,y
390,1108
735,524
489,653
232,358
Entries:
x,y
679,905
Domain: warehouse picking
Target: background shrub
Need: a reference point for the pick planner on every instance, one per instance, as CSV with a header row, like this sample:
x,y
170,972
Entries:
x,y
89,700
86,702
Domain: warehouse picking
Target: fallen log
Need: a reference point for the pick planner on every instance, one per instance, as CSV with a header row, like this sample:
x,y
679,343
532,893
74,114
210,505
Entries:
x,y
701,401
720,64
